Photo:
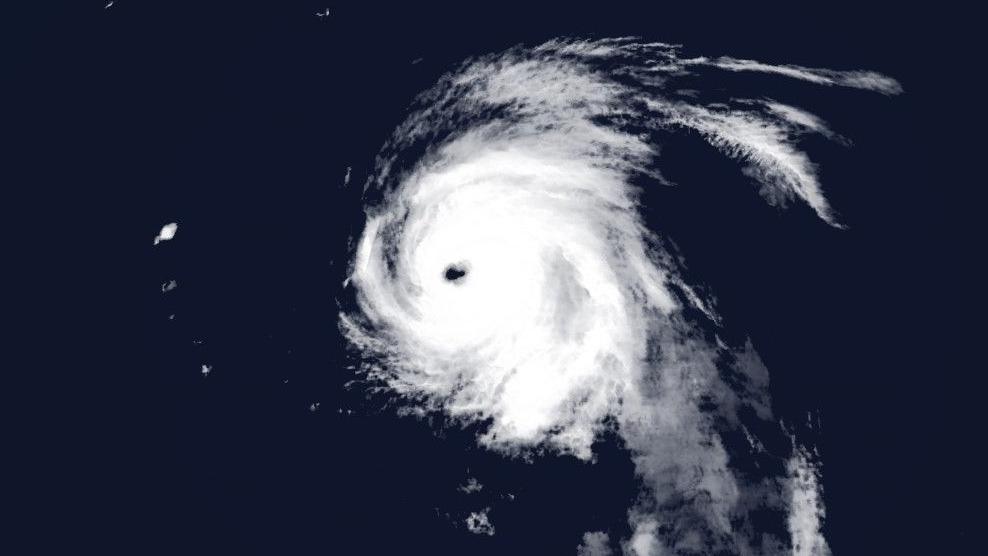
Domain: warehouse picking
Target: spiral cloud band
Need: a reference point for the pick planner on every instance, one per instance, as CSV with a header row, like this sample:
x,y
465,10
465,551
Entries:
x,y
506,276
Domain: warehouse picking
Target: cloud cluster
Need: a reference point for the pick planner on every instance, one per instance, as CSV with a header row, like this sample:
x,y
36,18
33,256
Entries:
x,y
506,276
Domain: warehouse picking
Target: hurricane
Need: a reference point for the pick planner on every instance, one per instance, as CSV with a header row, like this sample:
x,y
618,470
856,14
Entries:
x,y
505,277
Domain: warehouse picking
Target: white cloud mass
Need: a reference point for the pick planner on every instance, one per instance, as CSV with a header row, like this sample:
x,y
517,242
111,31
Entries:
x,y
595,543
167,233
506,275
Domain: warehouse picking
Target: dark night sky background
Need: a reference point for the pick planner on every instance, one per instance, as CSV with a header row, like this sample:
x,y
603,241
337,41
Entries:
x,y
239,121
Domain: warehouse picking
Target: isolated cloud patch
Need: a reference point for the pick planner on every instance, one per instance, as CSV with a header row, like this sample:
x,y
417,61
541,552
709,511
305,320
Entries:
x,y
596,543
506,275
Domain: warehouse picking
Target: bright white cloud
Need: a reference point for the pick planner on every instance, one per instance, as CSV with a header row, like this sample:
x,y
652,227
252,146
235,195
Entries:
x,y
167,232
806,506
507,276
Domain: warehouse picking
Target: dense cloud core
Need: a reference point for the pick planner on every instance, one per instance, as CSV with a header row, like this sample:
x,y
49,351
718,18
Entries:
x,y
506,276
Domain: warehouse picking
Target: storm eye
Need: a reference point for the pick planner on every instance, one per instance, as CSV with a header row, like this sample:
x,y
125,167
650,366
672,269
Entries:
x,y
455,272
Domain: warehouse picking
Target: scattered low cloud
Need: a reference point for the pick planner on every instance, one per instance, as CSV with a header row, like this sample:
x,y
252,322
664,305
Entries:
x,y
472,485
479,523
